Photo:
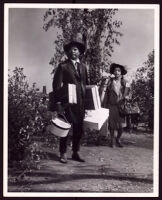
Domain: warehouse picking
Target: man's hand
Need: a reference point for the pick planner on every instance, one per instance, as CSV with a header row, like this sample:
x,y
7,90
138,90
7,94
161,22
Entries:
x,y
54,114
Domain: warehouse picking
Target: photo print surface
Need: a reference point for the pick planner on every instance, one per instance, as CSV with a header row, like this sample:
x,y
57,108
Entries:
x,y
81,100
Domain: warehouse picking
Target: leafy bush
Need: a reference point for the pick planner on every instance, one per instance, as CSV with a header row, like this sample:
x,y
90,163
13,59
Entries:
x,y
27,117
143,90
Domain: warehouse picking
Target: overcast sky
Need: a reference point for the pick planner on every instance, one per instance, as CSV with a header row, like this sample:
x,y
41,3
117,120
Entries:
x,y
31,47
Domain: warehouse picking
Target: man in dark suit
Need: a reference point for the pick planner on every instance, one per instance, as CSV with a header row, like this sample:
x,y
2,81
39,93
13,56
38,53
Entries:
x,y
72,71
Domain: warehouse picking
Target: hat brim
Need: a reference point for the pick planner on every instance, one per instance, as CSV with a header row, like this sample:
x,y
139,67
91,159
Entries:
x,y
80,46
113,66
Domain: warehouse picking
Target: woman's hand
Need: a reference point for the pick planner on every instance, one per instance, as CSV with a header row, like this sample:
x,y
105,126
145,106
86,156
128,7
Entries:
x,y
126,98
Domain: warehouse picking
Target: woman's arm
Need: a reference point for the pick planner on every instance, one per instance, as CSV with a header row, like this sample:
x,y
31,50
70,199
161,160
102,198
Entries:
x,y
126,91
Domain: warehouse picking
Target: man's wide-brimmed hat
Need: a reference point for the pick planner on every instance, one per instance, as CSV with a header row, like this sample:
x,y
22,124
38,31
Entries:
x,y
114,65
77,40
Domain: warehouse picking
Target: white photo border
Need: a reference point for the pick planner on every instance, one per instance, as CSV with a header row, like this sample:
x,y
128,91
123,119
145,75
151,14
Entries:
x,y
156,9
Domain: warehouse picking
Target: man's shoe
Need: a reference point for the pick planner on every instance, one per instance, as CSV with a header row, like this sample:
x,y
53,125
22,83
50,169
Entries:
x,y
63,158
118,144
76,157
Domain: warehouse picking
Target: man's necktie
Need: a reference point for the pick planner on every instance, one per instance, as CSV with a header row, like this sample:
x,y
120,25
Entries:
x,y
78,67
81,81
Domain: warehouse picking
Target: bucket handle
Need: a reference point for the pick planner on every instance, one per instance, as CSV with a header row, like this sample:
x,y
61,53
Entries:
x,y
63,116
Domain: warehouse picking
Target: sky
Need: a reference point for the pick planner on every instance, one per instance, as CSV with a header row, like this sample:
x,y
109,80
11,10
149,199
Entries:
x,y
31,47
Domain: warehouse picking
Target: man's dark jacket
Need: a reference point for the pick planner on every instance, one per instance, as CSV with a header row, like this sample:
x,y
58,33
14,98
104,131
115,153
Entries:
x,y
65,74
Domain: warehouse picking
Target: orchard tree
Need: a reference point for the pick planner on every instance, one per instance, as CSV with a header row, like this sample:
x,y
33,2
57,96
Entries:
x,y
99,29
143,88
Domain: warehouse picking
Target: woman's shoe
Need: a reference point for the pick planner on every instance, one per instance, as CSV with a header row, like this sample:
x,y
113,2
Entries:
x,y
63,158
118,144
111,143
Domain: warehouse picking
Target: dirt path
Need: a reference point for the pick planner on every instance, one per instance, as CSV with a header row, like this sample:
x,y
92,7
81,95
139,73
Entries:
x,y
127,169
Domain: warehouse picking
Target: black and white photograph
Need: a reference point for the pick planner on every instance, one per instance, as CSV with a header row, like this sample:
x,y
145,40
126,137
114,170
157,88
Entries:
x,y
81,100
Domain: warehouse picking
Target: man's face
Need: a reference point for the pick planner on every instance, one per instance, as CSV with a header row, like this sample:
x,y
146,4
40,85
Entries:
x,y
74,53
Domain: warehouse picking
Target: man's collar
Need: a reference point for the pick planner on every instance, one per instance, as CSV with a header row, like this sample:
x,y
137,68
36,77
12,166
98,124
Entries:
x,y
75,61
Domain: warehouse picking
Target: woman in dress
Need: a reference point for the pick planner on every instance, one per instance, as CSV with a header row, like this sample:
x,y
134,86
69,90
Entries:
x,y
116,92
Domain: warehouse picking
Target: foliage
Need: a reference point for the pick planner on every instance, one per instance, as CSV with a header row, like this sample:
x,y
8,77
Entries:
x,y
143,89
98,28
27,117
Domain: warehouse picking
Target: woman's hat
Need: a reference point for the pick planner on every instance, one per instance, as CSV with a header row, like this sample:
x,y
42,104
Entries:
x,y
114,65
77,40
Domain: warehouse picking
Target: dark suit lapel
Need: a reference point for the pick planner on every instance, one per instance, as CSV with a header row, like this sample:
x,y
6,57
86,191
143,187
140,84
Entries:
x,y
81,71
73,69
78,77
82,74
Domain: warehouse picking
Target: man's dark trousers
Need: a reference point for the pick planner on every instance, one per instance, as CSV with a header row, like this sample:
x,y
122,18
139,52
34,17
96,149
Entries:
x,y
77,135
